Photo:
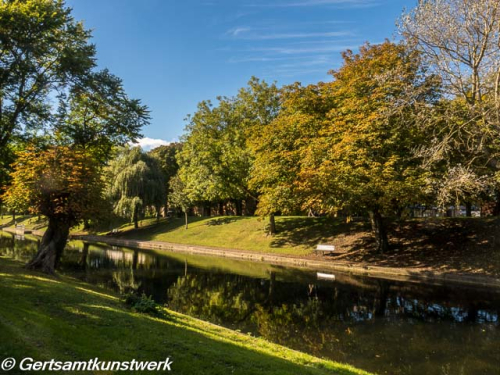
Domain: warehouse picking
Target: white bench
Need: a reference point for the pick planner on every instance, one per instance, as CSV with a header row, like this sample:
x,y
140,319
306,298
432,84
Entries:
x,y
325,249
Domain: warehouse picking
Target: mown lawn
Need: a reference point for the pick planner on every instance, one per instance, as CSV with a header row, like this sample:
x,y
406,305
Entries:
x,y
296,235
60,318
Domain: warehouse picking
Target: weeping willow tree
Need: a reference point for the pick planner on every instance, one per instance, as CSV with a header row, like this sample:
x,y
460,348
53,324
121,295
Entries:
x,y
136,182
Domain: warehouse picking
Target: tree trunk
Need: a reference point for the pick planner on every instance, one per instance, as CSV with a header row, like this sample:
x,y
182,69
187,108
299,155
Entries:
x,y
496,210
186,218
272,225
51,247
221,208
14,216
468,209
136,218
250,206
379,231
207,209
239,207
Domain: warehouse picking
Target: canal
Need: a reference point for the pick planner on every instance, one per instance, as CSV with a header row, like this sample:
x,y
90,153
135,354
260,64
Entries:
x,y
382,326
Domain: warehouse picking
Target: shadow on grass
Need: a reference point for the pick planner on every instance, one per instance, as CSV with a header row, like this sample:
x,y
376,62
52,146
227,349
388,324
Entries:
x,y
69,320
221,221
444,244
307,231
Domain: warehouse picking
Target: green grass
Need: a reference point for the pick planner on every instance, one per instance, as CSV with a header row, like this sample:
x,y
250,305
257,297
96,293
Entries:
x,y
45,317
296,235
29,221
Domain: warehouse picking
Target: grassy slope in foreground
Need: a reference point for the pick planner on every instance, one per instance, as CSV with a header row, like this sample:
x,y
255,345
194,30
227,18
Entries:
x,y
45,317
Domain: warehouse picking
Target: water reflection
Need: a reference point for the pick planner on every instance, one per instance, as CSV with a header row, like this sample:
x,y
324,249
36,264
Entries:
x,y
381,326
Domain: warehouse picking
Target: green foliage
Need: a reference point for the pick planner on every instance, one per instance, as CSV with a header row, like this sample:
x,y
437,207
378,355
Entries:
x,y
278,148
179,197
347,145
42,50
365,158
215,161
97,114
142,304
135,183
166,156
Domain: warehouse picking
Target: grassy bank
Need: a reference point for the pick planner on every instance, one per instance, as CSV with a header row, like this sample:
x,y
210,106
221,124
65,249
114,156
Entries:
x,y
296,235
44,318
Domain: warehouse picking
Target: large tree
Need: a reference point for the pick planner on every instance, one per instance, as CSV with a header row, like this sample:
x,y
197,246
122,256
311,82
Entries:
x,y
365,158
46,55
278,148
61,183
460,40
179,197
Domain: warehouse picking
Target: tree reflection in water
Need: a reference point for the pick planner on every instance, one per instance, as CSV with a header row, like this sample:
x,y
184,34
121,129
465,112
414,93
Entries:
x,y
382,327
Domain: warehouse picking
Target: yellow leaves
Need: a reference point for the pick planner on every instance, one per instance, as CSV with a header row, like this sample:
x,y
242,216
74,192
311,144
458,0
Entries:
x,y
54,182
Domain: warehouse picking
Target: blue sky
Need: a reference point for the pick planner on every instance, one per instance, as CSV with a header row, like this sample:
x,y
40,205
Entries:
x,y
173,53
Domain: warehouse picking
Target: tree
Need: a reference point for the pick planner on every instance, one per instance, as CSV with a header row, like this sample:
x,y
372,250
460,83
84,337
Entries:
x,y
45,54
42,50
215,161
179,197
460,40
136,182
61,183
166,156
365,159
348,145
277,149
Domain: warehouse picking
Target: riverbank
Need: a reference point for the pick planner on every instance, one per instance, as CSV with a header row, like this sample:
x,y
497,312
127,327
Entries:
x,y
60,318
316,263
452,246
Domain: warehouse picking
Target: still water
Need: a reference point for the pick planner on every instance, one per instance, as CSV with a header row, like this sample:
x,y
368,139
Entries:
x,y
382,326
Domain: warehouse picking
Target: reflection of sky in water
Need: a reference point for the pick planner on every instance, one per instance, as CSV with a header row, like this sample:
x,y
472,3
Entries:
x,y
416,329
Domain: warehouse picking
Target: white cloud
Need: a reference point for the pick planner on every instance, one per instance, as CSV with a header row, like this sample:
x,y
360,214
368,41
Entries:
x,y
298,50
237,32
148,144
310,3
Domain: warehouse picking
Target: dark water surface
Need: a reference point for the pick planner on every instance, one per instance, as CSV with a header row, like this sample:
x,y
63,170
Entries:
x,y
382,326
